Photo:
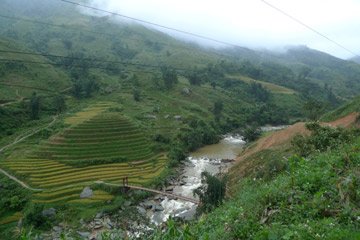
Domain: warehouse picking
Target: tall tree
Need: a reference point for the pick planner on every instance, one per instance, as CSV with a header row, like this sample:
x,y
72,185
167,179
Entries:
x,y
313,109
59,103
34,106
169,77
212,191
217,110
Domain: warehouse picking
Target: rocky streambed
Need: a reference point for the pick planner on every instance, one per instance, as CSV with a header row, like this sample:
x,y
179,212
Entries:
x,y
215,159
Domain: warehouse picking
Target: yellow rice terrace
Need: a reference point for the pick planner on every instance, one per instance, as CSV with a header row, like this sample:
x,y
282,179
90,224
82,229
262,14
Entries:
x,y
98,146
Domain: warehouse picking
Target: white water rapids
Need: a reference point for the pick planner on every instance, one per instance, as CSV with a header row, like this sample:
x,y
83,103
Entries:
x,y
207,159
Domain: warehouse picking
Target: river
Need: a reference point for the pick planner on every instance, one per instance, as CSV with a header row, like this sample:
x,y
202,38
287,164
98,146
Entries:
x,y
213,159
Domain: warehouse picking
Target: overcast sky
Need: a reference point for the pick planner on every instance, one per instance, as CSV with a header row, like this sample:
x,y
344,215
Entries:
x,y
253,24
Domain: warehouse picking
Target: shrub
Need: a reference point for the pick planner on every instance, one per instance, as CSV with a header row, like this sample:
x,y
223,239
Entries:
x,y
211,192
322,139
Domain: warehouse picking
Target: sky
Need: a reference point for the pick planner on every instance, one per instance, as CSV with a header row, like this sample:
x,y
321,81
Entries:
x,y
252,23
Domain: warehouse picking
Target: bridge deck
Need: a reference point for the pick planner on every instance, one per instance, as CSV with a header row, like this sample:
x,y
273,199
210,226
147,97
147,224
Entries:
x,y
192,200
164,193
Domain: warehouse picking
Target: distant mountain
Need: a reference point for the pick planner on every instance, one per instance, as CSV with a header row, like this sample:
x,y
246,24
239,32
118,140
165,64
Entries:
x,y
325,70
355,59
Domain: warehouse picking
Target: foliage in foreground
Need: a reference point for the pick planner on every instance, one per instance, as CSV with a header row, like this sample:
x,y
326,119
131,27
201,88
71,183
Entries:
x,y
316,198
322,138
211,193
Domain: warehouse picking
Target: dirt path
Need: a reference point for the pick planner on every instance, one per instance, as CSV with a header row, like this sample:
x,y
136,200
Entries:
x,y
21,138
24,185
20,98
17,140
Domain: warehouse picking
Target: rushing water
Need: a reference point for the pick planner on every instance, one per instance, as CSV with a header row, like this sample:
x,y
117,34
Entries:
x,y
207,159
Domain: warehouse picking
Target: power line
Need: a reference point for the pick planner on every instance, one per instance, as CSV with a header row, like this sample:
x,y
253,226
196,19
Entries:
x,y
309,27
71,28
152,23
209,38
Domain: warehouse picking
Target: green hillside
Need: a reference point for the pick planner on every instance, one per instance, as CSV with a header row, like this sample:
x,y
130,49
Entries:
x,y
350,107
88,99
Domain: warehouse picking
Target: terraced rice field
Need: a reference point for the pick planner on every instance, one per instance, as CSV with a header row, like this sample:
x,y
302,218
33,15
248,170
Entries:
x,y
104,147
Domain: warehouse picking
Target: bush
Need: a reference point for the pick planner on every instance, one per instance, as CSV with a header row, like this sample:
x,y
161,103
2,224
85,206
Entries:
x,y
251,134
322,139
34,217
176,154
211,193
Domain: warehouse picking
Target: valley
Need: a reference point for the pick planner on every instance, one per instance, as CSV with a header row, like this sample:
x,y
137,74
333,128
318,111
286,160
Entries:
x,y
262,144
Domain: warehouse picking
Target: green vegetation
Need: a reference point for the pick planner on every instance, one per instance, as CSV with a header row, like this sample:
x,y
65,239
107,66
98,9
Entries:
x,y
13,201
211,193
350,107
312,198
322,139
122,115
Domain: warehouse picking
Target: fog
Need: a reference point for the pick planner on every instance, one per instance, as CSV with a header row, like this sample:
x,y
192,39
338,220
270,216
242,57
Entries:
x,y
252,23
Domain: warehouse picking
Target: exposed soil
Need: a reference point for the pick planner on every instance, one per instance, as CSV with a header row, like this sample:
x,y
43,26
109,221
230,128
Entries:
x,y
279,140
283,137
347,121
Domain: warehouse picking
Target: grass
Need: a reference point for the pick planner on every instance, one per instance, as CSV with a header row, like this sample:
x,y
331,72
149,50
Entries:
x,y
310,198
10,219
269,86
352,106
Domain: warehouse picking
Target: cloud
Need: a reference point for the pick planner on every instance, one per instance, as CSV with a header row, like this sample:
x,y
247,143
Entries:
x,y
251,23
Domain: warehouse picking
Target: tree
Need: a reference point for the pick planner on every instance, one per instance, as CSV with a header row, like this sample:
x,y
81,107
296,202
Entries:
x,y
195,78
313,109
212,191
217,110
136,94
169,77
259,92
34,106
251,133
176,154
59,103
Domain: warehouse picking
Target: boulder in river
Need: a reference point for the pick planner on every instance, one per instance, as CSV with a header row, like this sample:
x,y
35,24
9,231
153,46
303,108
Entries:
x,y
149,204
158,208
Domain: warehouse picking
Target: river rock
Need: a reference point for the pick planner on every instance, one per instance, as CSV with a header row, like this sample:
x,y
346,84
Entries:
x,y
141,210
187,215
169,189
87,192
49,213
127,203
158,208
227,160
57,229
99,215
149,204
83,234
108,224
